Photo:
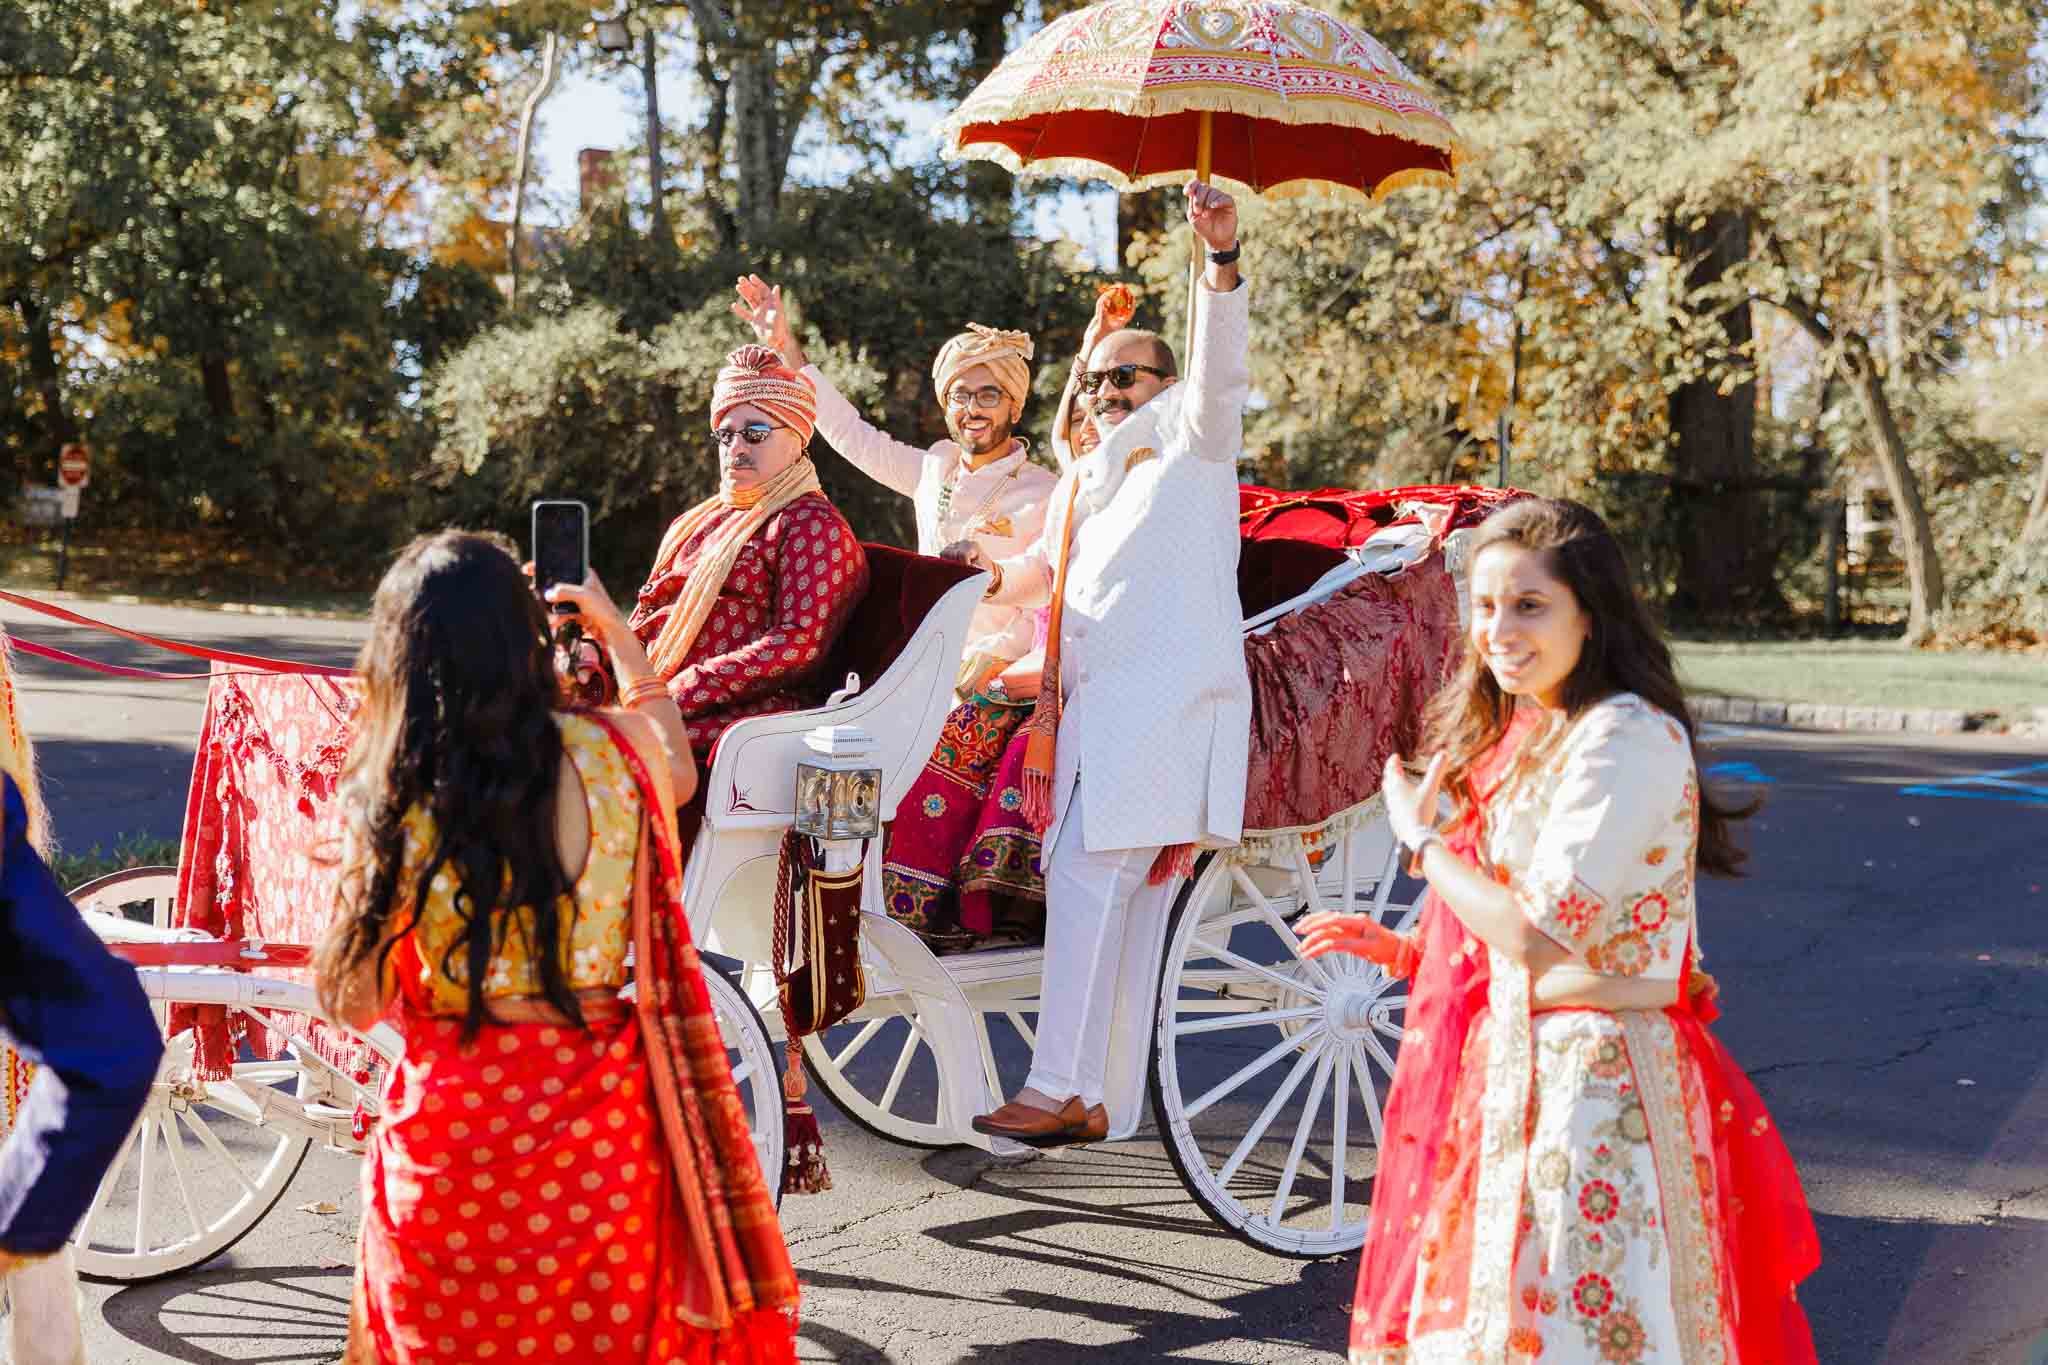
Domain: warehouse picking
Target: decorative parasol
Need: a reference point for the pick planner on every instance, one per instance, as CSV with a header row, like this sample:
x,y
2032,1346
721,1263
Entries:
x,y
1267,96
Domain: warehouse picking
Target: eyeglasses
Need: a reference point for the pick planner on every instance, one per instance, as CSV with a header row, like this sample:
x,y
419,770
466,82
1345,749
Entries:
x,y
755,432
1119,376
985,398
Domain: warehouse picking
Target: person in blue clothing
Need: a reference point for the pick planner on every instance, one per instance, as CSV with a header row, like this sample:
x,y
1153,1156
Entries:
x,y
76,1015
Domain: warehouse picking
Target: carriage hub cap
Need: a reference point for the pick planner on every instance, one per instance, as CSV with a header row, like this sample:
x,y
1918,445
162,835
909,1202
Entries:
x,y
1356,1009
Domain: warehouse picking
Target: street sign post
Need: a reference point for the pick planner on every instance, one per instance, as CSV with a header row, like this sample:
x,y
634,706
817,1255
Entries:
x,y
74,472
74,466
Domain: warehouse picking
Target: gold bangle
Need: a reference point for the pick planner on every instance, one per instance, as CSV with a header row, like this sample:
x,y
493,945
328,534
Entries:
x,y
995,584
643,690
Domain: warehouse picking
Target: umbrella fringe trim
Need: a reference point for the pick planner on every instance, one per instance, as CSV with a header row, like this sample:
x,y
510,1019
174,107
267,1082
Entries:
x,y
1085,168
1419,126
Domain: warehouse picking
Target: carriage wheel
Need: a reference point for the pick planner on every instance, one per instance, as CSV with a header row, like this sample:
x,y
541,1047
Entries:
x,y
1269,1069
755,1061
881,1073
199,1169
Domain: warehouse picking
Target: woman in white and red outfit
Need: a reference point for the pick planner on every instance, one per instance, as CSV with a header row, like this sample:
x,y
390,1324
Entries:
x,y
1574,1168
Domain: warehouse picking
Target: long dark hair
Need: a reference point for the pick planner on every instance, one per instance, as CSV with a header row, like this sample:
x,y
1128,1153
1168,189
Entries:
x,y
1624,653
457,720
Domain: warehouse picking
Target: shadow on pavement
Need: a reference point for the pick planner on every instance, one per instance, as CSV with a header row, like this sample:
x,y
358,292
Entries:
x,y
276,1315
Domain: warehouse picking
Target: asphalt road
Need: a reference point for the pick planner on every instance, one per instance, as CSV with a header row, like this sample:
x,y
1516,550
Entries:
x,y
1885,978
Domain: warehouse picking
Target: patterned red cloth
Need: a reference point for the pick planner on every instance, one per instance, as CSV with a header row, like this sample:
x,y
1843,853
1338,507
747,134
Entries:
x,y
1338,686
260,854
781,608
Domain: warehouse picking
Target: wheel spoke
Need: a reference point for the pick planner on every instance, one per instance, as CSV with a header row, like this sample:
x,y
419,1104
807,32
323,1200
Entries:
x,y
1245,1019
106,1189
1024,1030
1369,1096
1313,1034
860,1040
1379,1053
1301,1132
988,1060
203,1130
911,1039
174,1145
1340,1139
1266,1116
1245,964
144,1169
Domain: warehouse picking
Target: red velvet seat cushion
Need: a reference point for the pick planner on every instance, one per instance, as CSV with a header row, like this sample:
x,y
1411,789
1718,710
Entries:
x,y
902,590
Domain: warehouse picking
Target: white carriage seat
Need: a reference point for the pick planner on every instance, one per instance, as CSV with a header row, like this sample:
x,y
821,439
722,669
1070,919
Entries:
x,y
750,788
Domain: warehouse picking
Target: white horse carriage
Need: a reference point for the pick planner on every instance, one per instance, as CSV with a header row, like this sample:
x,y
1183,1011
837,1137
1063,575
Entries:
x,y
1267,1071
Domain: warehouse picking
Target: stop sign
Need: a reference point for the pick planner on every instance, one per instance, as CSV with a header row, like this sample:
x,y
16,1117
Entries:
x,y
74,466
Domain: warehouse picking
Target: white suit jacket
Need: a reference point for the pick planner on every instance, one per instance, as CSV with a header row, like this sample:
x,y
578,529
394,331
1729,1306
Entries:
x,y
1000,506
1158,706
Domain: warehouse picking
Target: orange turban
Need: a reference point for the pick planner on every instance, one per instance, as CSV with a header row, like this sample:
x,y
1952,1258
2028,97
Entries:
x,y
756,375
1007,354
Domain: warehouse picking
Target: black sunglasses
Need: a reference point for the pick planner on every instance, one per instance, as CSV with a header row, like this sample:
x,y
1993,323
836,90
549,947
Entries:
x,y
1119,376
755,432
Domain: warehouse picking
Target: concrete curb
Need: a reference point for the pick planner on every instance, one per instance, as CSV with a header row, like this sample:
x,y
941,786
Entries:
x,y
1802,715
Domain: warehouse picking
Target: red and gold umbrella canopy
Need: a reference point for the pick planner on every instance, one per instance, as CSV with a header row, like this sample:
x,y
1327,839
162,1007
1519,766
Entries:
x,y
1270,95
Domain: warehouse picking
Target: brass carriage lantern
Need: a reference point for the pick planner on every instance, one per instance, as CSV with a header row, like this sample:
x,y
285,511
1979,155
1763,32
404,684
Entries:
x,y
839,788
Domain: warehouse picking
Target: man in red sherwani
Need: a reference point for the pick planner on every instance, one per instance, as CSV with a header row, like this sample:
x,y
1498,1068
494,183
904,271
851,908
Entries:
x,y
751,588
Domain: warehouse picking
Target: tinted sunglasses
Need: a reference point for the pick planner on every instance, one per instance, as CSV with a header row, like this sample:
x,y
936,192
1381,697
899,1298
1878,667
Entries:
x,y
755,432
1118,376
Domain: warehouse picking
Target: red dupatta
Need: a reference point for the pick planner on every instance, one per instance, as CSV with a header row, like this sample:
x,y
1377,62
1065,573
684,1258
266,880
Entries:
x,y
1450,992
741,1283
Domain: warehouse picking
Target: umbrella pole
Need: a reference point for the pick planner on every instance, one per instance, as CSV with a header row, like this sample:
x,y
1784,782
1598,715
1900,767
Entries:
x,y
1205,155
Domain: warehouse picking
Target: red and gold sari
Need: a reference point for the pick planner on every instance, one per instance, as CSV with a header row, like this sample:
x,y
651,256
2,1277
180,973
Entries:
x,y
549,1193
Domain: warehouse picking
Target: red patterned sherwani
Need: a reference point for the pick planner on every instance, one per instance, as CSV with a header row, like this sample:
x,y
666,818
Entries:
x,y
782,606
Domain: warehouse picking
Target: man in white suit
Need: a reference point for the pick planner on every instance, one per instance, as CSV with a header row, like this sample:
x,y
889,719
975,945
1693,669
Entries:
x,y
1148,758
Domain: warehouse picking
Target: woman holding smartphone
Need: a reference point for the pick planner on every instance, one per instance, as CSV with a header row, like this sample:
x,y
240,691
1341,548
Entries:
x,y
556,1173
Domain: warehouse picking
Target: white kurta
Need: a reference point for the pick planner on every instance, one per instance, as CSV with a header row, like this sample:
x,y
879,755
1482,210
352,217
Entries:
x,y
1000,506
1158,704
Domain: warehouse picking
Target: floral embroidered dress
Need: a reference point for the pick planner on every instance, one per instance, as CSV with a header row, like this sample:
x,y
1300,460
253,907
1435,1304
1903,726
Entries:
x,y
1595,1162
519,1198
780,611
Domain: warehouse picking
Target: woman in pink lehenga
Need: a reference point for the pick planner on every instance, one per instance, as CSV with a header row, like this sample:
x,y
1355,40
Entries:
x,y
1575,1169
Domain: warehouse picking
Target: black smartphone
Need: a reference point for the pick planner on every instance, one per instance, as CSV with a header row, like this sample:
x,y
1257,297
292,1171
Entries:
x,y
561,544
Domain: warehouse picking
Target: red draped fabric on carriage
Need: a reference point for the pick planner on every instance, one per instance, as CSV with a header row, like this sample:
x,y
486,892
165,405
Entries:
x,y
1339,686
261,847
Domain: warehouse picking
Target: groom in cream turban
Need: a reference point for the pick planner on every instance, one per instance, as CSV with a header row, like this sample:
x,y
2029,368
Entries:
x,y
980,485
750,588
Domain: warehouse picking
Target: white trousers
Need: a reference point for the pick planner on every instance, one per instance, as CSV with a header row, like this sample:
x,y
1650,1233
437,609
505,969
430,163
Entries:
x,y
45,1328
1105,932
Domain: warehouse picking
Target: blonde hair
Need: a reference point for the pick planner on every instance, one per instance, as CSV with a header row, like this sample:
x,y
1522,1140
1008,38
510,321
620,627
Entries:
x,y
17,754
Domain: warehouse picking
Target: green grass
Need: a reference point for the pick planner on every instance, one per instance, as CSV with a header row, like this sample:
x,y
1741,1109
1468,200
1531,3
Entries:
x,y
1863,673
130,850
177,569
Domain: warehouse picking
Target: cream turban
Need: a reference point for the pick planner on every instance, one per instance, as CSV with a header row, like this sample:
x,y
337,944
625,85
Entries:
x,y
1008,354
756,374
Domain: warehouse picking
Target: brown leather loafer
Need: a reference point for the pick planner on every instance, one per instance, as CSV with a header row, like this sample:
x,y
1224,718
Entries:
x,y
1036,1127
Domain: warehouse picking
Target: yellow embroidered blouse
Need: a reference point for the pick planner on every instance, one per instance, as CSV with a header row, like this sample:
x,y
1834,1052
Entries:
x,y
597,921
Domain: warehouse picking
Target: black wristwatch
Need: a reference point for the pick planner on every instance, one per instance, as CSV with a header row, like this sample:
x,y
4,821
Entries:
x,y
1226,257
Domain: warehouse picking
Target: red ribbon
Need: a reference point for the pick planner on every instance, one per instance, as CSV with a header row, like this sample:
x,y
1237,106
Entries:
x,y
258,662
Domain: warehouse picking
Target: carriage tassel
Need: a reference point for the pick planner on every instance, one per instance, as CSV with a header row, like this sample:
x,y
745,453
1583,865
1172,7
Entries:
x,y
803,1145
